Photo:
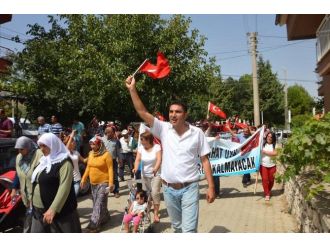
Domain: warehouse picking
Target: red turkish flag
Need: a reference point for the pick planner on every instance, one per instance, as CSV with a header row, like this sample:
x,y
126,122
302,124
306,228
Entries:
x,y
160,116
241,125
158,71
216,110
238,124
226,126
253,143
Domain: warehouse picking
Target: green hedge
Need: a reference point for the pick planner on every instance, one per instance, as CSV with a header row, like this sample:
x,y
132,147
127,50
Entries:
x,y
308,151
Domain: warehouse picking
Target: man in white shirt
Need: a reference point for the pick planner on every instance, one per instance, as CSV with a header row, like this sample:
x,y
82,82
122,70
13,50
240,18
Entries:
x,y
126,154
183,145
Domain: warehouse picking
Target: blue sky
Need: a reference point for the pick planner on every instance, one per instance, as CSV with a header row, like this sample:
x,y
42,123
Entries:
x,y
227,40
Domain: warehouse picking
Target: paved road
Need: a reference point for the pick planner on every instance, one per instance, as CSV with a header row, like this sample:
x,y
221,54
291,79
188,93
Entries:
x,y
237,210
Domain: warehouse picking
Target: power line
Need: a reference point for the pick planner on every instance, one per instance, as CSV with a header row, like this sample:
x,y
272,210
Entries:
x,y
228,58
281,79
281,46
6,48
268,48
10,39
256,23
13,31
245,23
272,36
226,52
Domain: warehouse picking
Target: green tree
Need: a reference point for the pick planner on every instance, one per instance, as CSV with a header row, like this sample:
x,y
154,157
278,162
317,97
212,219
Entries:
x,y
319,104
78,66
299,100
271,94
236,96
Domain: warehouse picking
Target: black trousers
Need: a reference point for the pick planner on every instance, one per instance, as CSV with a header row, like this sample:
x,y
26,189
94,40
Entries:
x,y
246,178
216,180
66,224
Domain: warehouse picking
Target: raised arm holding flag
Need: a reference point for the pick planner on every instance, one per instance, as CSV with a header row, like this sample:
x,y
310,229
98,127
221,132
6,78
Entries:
x,y
181,185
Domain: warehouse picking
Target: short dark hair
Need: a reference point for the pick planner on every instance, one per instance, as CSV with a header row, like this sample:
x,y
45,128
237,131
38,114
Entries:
x,y
180,103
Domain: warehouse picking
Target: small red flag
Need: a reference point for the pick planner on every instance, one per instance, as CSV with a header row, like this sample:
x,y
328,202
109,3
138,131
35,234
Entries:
x,y
240,125
216,110
253,143
160,116
158,71
226,126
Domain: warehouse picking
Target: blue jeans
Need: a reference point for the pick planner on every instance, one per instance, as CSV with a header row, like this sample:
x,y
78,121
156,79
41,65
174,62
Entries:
x,y
183,207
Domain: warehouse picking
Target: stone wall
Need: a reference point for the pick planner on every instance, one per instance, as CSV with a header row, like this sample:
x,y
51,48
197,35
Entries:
x,y
312,216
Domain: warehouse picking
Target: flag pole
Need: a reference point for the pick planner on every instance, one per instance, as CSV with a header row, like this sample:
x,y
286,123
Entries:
x,y
208,110
139,67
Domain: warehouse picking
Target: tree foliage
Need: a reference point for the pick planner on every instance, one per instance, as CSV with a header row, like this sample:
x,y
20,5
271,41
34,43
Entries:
x,y
299,120
236,96
78,66
308,150
299,100
271,94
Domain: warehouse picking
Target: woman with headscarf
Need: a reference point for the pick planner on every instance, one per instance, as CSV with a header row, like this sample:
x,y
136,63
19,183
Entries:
x,y
100,172
54,201
27,159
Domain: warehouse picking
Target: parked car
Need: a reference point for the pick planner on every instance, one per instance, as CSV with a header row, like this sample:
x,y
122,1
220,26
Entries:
x,y
282,136
28,129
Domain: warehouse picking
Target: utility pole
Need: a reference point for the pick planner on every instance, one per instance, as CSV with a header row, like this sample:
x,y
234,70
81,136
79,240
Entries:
x,y
253,50
286,120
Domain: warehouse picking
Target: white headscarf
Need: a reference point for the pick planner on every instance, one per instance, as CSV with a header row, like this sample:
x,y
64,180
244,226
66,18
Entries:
x,y
58,153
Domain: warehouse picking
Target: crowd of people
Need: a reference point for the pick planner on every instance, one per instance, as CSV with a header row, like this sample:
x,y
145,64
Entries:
x,y
50,180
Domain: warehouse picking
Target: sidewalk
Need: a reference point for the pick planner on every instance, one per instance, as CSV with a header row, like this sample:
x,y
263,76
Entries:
x,y
237,210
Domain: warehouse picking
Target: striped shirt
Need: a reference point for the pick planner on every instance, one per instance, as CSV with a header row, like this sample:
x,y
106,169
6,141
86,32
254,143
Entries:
x,y
46,128
56,129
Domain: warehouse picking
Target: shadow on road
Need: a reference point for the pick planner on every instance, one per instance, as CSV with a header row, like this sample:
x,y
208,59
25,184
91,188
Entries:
x,y
235,193
219,229
275,193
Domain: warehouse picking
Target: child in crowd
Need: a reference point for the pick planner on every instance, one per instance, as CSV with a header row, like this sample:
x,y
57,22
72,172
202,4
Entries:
x,y
136,211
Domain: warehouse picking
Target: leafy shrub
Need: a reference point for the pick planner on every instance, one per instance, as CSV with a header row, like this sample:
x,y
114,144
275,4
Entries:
x,y
299,120
308,151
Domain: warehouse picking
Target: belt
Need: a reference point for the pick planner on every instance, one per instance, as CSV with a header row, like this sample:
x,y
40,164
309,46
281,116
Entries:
x,y
177,186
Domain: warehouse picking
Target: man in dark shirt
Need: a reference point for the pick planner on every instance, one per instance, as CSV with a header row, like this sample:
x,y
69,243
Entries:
x,y
6,125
